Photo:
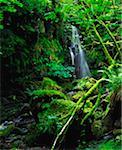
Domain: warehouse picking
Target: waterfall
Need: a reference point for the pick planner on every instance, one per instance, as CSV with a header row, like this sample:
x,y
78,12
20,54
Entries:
x,y
78,56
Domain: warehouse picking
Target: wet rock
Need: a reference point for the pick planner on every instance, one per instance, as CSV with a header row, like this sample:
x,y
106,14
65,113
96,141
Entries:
x,y
12,138
23,120
6,128
20,131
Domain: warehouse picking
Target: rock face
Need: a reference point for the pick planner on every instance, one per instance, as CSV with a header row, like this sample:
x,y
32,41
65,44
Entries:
x,y
14,130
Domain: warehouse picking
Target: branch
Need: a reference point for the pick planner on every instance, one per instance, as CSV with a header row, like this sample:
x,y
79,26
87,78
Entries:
x,y
93,108
110,60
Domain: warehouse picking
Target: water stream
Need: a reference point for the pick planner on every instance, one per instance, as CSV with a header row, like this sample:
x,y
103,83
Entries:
x,y
78,56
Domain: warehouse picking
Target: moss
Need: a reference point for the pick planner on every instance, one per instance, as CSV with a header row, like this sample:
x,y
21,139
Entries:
x,y
84,84
111,144
88,106
97,128
50,47
50,119
48,83
48,93
78,95
7,130
103,144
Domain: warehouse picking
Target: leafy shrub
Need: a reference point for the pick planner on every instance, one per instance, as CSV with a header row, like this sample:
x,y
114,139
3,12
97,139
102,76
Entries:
x,y
114,77
51,64
8,6
10,43
58,70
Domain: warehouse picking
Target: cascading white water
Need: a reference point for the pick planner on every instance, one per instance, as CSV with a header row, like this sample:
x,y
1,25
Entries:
x,y
77,56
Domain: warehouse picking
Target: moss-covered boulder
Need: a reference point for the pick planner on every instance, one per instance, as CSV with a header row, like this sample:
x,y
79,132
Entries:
x,y
48,94
53,115
97,128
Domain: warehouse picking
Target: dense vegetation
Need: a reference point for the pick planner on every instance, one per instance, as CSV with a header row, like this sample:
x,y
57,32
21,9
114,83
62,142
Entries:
x,y
39,81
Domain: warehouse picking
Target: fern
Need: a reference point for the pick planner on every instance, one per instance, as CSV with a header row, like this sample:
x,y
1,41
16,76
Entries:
x,y
113,76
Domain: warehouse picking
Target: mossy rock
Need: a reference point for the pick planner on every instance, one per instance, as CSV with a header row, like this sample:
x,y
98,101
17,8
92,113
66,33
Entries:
x,y
52,118
84,84
97,128
5,131
48,93
48,83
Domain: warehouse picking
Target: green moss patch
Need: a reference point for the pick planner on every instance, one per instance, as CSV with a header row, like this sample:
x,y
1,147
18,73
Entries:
x,y
52,118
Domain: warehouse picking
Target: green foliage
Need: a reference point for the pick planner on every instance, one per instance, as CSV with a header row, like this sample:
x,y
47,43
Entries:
x,y
14,48
97,128
45,90
24,22
10,42
84,84
50,118
88,106
8,6
36,5
109,144
48,83
33,135
114,77
58,70
78,95
52,62
112,144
